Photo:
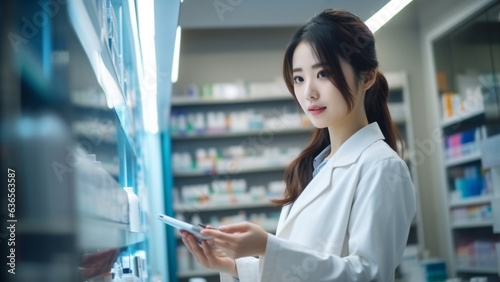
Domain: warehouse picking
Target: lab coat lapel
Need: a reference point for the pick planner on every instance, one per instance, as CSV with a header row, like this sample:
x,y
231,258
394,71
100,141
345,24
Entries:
x,y
283,216
347,154
317,185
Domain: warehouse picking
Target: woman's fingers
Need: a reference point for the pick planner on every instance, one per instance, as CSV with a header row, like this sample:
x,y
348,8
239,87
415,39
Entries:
x,y
207,251
235,228
195,249
216,234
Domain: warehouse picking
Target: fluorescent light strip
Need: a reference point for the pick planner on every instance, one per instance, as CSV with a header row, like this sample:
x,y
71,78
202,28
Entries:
x,y
148,83
135,39
177,50
387,12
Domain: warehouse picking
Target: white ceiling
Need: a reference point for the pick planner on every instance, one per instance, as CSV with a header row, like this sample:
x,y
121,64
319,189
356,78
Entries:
x,y
201,14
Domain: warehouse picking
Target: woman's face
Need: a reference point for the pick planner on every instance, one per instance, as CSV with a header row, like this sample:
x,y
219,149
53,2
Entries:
x,y
319,98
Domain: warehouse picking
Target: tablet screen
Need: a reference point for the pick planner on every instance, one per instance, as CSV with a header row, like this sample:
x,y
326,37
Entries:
x,y
195,230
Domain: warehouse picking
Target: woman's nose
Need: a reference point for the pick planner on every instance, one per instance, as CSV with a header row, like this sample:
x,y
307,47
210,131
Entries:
x,y
311,91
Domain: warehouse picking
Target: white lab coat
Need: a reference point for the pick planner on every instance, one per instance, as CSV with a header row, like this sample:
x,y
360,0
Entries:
x,y
351,223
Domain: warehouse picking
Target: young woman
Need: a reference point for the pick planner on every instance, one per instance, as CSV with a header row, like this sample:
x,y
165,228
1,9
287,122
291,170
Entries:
x,y
349,199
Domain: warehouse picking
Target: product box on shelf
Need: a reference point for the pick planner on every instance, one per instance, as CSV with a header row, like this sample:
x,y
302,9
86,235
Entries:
x,y
476,253
183,123
229,90
232,159
99,195
472,214
465,143
467,101
272,88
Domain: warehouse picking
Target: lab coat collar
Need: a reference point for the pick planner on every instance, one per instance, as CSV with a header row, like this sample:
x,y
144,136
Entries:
x,y
351,149
347,154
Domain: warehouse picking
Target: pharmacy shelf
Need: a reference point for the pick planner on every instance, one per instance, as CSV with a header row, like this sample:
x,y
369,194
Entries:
x,y
471,201
200,272
235,171
95,234
202,102
461,118
112,169
90,106
212,207
243,133
96,49
463,160
472,224
108,141
30,226
480,270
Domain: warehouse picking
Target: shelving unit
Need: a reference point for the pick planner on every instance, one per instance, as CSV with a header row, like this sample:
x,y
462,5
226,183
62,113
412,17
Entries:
x,y
177,102
76,139
478,270
466,99
472,224
463,160
229,171
212,207
252,140
461,118
290,131
471,201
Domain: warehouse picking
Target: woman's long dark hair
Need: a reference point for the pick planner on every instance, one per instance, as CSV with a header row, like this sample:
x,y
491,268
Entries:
x,y
335,35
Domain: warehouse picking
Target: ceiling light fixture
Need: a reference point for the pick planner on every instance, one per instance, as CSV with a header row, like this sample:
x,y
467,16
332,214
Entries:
x,y
385,14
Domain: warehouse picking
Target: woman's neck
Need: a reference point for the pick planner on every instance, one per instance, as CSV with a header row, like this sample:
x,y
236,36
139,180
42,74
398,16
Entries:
x,y
344,130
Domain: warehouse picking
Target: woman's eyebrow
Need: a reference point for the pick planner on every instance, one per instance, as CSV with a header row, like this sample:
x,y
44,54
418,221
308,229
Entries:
x,y
318,65
315,66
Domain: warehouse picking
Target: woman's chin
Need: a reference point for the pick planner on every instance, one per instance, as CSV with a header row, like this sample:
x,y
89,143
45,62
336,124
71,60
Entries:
x,y
319,125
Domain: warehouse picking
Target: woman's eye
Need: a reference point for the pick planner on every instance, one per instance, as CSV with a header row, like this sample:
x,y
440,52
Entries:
x,y
298,79
322,74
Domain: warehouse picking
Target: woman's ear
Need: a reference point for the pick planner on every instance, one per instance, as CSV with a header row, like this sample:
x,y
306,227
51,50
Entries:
x,y
368,79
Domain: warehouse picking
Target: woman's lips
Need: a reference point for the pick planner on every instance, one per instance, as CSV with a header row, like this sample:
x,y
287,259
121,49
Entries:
x,y
316,110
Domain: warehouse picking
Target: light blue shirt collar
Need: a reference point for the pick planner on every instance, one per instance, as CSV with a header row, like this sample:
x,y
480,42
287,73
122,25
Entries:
x,y
320,160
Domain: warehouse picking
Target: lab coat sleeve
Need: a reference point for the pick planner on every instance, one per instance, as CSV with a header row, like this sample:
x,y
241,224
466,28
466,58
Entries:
x,y
248,271
382,211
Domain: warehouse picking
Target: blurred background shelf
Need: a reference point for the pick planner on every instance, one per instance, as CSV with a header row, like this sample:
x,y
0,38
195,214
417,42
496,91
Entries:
x,y
461,118
179,101
229,134
95,234
471,201
213,207
463,160
472,224
231,171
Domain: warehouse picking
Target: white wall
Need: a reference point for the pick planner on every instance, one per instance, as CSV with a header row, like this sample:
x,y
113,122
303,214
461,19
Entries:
x,y
228,55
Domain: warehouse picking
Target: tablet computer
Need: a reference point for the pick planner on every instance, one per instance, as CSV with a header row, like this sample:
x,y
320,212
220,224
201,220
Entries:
x,y
195,230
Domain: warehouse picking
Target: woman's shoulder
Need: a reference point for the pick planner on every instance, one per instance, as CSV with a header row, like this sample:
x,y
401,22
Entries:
x,y
381,159
377,152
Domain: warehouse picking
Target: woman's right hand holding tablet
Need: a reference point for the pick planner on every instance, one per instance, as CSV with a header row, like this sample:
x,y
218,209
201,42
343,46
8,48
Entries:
x,y
207,256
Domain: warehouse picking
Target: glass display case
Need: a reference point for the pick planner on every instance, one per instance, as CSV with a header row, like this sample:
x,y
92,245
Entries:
x,y
466,61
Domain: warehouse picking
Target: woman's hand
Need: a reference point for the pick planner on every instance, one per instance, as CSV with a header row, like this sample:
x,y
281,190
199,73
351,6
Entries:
x,y
239,240
208,256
